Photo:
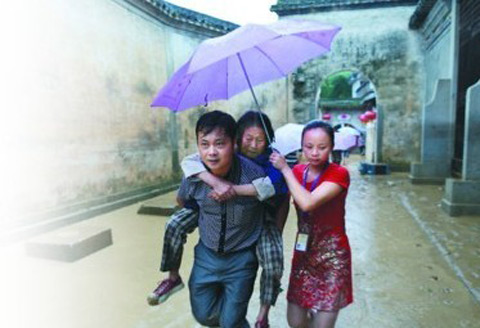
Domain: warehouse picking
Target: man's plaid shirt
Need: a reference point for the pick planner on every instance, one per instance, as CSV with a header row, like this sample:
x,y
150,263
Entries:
x,y
233,225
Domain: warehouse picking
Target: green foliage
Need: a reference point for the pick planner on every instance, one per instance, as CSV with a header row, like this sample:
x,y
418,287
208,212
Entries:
x,y
337,86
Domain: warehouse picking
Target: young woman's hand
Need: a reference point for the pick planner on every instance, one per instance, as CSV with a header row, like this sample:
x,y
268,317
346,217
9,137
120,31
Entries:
x,y
278,161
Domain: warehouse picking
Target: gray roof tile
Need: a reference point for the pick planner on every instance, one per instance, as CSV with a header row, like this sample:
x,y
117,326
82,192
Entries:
x,y
292,7
183,18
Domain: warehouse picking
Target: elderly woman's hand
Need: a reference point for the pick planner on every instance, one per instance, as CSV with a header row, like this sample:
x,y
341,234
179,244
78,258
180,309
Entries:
x,y
278,161
222,191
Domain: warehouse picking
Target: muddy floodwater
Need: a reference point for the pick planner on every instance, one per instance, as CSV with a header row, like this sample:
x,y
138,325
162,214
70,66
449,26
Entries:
x,y
413,266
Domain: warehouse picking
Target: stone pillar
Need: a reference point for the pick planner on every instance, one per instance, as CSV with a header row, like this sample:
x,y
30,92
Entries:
x,y
434,167
462,196
371,142
373,150
379,135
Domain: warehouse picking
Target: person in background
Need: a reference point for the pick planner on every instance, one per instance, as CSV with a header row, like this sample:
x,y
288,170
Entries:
x,y
292,158
321,275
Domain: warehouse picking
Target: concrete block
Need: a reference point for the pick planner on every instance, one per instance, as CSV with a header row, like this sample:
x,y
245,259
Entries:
x,y
373,168
471,150
70,244
436,125
457,209
162,210
164,205
462,197
432,173
426,180
434,167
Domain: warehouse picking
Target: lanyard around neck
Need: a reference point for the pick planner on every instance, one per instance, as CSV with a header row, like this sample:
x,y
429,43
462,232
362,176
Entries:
x,y
317,179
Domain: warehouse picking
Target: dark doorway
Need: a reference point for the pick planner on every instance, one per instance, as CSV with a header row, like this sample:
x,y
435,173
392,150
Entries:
x,y
468,71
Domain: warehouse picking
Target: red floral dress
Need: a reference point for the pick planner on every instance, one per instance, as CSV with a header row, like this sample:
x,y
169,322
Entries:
x,y
321,276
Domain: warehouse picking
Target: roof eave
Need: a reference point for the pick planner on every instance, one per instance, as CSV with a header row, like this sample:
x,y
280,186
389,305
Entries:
x,y
183,18
296,9
421,13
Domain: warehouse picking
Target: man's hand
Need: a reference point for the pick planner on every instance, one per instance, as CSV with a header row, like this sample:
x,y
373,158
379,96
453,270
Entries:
x,y
222,191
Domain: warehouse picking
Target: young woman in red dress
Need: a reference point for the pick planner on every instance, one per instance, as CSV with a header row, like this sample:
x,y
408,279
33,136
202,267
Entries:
x,y
321,277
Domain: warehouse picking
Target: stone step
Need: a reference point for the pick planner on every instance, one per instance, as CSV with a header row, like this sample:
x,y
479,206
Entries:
x,y
163,205
165,210
71,243
373,168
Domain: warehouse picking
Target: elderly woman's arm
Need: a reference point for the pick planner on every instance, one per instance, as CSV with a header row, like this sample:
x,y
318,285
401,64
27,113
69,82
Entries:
x,y
192,166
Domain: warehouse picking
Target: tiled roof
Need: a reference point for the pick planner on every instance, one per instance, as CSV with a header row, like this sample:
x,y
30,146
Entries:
x,y
183,18
421,13
292,7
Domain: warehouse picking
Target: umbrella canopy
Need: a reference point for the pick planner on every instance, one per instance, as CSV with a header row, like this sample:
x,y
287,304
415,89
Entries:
x,y
347,130
288,138
345,141
250,55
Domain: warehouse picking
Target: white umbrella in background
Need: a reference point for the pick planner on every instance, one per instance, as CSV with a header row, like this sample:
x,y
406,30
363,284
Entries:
x,y
346,137
288,138
344,141
348,130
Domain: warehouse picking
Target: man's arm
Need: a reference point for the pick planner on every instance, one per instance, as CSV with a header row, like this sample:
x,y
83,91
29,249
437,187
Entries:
x,y
180,202
183,193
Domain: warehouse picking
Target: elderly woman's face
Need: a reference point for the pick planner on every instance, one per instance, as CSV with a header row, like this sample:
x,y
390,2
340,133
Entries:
x,y
254,142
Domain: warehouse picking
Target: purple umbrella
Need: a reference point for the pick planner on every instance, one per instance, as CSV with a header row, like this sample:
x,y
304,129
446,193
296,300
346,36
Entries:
x,y
252,54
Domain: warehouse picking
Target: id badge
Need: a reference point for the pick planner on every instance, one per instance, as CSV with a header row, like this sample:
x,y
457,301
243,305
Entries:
x,y
301,244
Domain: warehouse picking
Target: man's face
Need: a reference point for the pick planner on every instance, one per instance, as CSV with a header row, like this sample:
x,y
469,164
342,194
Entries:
x,y
216,151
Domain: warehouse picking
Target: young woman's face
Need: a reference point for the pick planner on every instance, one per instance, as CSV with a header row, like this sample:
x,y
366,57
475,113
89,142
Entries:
x,y
253,142
316,146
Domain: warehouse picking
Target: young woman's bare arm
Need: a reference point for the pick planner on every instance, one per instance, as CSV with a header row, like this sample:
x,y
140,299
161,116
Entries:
x,y
306,200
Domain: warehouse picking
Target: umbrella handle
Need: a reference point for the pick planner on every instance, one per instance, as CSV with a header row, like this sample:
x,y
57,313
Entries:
x,y
255,99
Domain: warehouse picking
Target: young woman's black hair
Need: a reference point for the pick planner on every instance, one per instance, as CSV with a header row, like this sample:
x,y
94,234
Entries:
x,y
317,124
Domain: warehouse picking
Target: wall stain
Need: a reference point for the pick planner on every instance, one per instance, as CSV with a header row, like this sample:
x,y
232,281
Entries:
x,y
144,88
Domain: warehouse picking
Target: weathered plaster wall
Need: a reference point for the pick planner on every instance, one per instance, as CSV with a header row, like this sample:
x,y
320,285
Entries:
x,y
79,125
89,131
438,64
437,34
378,43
